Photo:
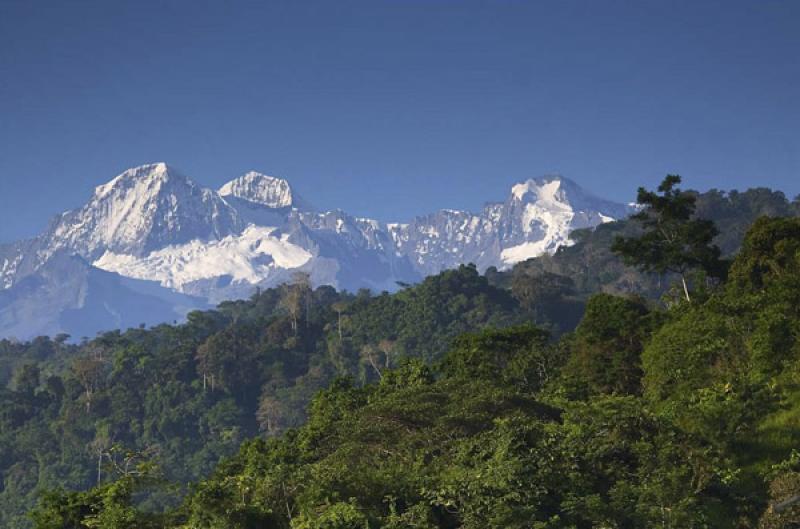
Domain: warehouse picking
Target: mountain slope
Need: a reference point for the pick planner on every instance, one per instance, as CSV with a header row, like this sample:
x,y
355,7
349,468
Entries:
x,y
67,295
154,224
141,210
536,218
263,190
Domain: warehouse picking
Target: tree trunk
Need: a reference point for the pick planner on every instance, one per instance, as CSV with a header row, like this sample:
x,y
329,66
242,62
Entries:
x,y
374,366
685,289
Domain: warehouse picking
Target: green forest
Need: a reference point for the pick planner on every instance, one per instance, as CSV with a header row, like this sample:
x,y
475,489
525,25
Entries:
x,y
647,376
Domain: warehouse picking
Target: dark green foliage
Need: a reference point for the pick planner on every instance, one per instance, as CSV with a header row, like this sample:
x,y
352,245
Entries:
x,y
593,267
488,442
770,253
193,393
442,406
468,451
518,356
672,240
734,212
550,298
605,351
422,320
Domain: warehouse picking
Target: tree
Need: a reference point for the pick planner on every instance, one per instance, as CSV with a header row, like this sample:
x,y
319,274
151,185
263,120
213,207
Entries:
x,y
336,516
88,370
387,348
270,413
229,359
99,447
110,506
26,379
770,253
370,356
295,296
302,281
498,354
339,307
607,345
672,240
537,290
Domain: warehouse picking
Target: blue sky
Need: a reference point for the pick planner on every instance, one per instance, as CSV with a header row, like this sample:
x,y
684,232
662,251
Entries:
x,y
396,108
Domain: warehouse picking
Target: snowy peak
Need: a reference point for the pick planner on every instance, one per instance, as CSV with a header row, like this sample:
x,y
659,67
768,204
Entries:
x,y
142,209
153,227
556,191
536,218
547,189
262,189
541,212
552,189
148,176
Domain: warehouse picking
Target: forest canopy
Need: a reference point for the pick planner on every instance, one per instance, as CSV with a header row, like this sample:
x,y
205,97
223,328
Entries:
x,y
570,392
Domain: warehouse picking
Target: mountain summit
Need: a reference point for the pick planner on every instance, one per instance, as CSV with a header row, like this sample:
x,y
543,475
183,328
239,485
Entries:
x,y
536,217
180,246
556,189
141,210
261,189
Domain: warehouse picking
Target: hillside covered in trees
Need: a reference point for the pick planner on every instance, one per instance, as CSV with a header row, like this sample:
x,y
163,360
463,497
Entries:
x,y
574,391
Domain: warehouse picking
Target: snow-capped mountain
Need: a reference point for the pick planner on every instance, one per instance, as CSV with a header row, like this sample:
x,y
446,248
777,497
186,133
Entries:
x,y
263,190
154,228
536,218
141,210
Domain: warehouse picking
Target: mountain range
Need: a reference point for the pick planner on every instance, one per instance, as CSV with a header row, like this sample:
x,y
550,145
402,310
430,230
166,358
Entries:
x,y
151,245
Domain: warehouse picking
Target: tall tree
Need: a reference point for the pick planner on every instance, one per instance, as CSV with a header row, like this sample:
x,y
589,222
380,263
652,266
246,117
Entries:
x,y
88,371
339,307
673,241
270,413
296,295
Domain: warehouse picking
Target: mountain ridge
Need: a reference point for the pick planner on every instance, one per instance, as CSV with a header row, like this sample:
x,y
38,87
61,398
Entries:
x,y
153,223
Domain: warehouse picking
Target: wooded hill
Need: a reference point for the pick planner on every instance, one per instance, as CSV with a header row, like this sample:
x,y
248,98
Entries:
x,y
573,391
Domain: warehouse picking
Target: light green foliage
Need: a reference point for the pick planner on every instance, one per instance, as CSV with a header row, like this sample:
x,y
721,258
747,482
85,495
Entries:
x,y
441,406
687,351
340,515
106,507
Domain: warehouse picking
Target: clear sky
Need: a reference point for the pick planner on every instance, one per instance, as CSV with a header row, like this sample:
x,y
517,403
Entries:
x,y
395,108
